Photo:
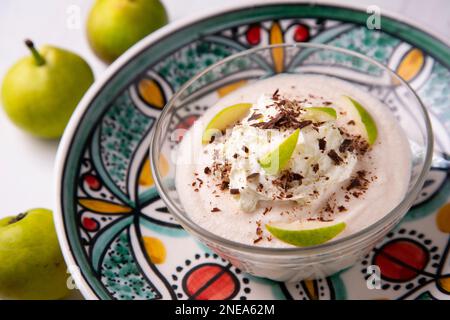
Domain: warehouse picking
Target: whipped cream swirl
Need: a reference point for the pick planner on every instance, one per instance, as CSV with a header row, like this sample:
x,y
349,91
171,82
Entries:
x,y
318,161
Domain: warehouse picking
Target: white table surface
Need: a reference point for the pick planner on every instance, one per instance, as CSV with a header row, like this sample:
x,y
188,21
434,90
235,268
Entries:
x,y
26,163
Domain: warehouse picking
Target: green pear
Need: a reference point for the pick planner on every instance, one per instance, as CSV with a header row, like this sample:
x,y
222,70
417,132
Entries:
x,y
225,118
275,160
32,266
41,91
364,121
320,114
306,234
113,26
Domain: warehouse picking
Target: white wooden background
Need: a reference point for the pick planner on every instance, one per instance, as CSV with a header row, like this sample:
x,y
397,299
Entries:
x,y
26,163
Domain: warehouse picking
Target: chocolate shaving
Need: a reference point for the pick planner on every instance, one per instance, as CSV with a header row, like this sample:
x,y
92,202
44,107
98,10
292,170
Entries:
x,y
245,149
255,116
303,124
275,94
215,209
286,182
224,185
222,171
362,147
207,170
259,231
347,144
342,208
322,219
359,184
234,191
361,173
322,144
355,183
257,240
359,145
328,208
271,124
337,160
286,118
315,167
200,182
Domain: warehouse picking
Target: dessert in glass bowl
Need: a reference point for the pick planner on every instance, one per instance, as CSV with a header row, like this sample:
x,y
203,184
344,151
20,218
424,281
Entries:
x,y
292,175
292,153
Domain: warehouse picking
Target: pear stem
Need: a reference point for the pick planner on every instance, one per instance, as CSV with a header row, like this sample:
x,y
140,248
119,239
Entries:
x,y
17,218
37,56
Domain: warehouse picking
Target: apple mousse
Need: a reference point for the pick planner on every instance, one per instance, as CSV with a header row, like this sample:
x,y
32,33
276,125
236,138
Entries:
x,y
293,160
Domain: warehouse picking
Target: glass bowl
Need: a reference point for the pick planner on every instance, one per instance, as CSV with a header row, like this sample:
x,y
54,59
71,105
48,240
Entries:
x,y
206,88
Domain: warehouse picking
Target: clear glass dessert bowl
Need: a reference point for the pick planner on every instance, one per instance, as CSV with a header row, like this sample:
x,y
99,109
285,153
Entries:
x,y
199,94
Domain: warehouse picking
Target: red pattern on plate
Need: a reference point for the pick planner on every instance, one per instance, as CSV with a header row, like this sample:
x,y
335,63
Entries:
x,y
401,260
211,282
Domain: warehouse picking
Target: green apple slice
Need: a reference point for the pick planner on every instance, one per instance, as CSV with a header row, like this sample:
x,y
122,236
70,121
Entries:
x,y
364,120
277,159
306,234
225,118
320,114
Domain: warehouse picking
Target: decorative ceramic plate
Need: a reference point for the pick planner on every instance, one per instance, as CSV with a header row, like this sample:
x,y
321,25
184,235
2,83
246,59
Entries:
x,y
117,236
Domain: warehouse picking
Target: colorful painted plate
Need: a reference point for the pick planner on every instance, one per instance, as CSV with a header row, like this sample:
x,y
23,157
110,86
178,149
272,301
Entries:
x,y
117,236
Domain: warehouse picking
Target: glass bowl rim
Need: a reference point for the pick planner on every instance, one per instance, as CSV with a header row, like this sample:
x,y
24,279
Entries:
x,y
346,241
